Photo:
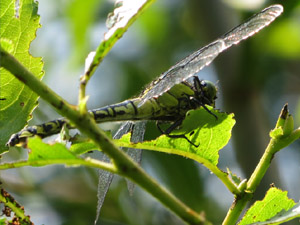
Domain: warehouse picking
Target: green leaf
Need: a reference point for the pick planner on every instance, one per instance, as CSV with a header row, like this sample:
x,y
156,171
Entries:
x,y
42,154
7,45
83,147
274,202
283,216
17,30
81,144
201,128
42,151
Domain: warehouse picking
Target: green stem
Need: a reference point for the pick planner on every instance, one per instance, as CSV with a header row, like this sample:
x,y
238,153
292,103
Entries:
x,y
237,208
262,166
70,162
275,145
87,125
240,202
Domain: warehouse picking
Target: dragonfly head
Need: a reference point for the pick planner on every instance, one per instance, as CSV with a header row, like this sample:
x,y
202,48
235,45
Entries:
x,y
209,92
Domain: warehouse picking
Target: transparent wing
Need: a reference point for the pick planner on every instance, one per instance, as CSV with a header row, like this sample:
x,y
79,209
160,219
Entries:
x,y
203,57
137,135
105,177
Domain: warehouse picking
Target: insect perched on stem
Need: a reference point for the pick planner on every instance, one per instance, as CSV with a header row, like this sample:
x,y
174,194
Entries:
x,y
170,96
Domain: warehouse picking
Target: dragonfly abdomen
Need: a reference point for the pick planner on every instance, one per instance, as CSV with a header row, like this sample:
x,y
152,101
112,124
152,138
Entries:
x,y
115,112
127,110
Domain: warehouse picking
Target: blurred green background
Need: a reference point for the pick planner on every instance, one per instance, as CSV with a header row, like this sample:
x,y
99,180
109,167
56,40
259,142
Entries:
x,y
255,79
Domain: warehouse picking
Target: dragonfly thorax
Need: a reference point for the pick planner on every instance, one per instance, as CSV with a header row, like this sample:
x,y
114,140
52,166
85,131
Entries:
x,y
182,97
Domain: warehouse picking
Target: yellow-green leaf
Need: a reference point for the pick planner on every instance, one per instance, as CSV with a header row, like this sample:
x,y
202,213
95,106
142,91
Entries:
x,y
17,30
274,202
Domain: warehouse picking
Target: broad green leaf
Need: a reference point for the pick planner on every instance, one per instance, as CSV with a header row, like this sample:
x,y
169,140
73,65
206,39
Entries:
x,y
274,202
81,144
201,128
83,147
18,28
7,45
283,216
42,151
43,154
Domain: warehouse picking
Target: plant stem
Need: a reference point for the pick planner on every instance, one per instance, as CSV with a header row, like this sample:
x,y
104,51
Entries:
x,y
87,125
240,201
236,208
70,162
262,166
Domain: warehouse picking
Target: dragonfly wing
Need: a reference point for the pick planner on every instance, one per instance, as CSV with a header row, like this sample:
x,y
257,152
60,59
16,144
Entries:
x,y
105,177
203,57
138,133
253,25
184,69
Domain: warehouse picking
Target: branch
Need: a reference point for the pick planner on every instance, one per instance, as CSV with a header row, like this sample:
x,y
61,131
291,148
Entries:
x,y
282,136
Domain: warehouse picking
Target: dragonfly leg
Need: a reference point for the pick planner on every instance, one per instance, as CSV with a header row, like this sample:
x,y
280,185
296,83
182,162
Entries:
x,y
171,128
210,112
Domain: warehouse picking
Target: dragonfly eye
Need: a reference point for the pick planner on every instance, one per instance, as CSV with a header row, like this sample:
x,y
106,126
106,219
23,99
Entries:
x,y
203,83
209,91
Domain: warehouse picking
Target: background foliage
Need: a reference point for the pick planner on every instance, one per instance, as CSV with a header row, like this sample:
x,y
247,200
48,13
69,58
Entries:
x,y
255,80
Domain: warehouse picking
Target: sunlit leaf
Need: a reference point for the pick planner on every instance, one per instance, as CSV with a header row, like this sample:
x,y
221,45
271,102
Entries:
x,y
18,28
207,133
42,151
283,216
274,202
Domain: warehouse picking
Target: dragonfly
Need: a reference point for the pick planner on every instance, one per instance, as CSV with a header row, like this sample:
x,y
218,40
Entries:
x,y
173,93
